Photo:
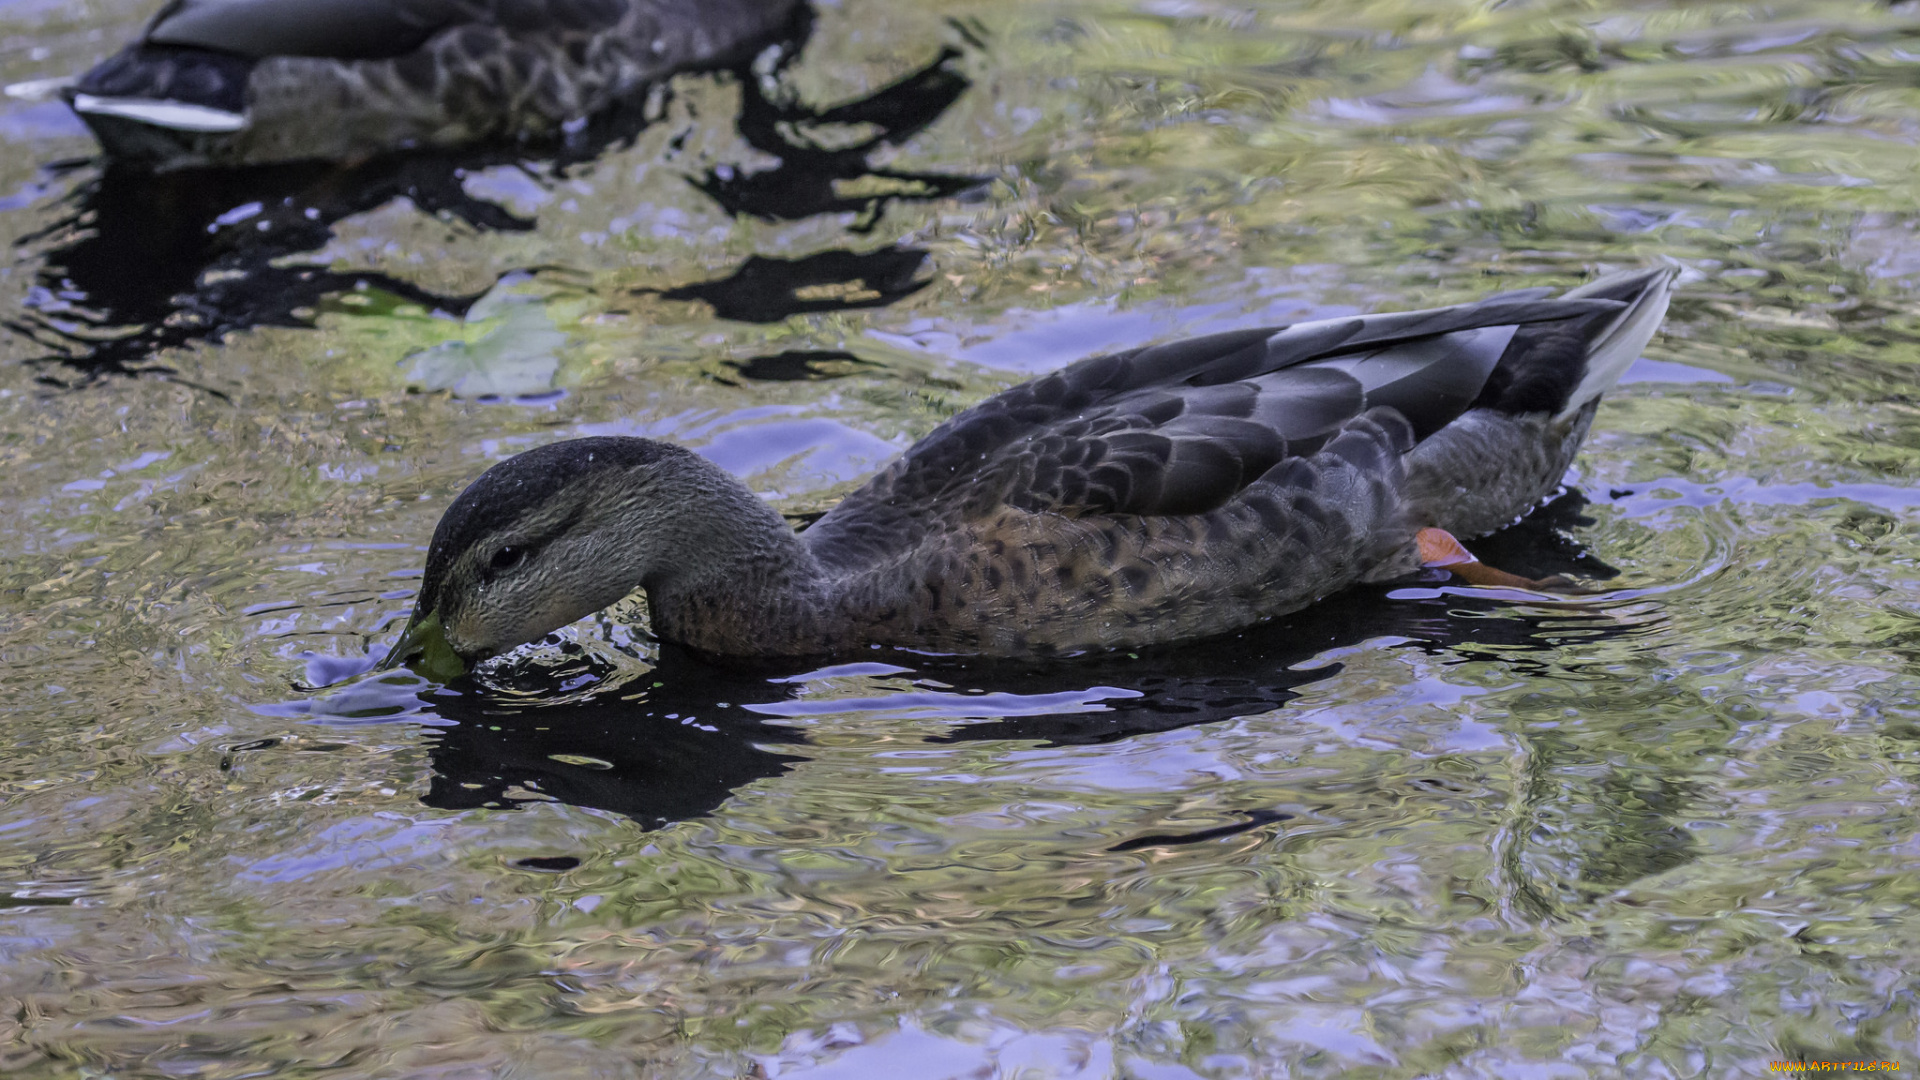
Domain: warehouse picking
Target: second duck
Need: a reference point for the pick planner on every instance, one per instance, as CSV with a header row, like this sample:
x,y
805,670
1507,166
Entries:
x,y
248,82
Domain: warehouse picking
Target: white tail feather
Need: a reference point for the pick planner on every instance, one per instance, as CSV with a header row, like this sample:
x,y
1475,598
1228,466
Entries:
x,y
1619,345
40,89
177,115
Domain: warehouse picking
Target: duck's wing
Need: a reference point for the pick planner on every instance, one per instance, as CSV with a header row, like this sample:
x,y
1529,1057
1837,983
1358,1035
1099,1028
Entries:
x,y
339,29
1181,428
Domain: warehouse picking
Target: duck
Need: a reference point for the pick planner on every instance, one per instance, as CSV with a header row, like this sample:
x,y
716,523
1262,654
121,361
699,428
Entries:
x,y
235,83
1171,492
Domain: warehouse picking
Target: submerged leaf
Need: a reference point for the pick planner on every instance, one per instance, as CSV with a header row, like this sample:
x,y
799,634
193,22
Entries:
x,y
515,352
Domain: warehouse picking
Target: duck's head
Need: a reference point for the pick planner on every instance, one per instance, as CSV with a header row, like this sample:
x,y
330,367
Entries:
x,y
538,541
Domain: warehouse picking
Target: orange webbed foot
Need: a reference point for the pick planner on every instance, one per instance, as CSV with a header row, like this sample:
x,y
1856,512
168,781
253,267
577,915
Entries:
x,y
1440,548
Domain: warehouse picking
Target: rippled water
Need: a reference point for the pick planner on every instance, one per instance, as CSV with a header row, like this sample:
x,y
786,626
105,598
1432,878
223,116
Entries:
x,y
1668,830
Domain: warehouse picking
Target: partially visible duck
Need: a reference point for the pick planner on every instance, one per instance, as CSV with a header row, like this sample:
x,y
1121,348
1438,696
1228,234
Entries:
x,y
1171,492
247,82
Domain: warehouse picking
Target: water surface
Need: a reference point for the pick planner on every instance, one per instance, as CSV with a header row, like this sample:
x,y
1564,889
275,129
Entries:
x,y
1416,831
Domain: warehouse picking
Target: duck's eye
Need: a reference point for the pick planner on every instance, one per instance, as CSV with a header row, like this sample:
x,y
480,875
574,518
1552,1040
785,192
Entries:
x,y
506,559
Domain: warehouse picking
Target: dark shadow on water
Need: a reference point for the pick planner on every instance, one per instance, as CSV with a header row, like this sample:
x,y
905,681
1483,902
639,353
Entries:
x,y
800,365
625,756
1255,819
768,290
816,177
145,263
139,264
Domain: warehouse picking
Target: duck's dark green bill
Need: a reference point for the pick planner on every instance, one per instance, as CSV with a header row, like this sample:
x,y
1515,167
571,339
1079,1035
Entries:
x,y
423,648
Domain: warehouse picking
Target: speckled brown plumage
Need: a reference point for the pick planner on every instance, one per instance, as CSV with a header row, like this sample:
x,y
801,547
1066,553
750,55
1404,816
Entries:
x,y
1165,493
349,78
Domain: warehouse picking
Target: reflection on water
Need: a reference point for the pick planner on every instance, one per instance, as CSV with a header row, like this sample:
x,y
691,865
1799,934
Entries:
x,y
145,263
816,177
645,759
770,290
1662,829
798,364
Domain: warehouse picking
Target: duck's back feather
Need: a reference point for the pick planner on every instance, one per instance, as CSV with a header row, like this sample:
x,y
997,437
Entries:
x,y
1183,428
339,29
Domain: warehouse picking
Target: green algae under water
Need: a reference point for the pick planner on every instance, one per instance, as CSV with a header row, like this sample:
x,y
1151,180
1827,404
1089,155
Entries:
x,y
1669,831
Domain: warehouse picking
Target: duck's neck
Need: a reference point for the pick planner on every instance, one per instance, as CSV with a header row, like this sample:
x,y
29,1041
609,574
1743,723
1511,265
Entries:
x,y
723,572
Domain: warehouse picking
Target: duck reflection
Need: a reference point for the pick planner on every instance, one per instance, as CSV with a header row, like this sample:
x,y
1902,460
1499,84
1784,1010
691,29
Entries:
x,y
141,263
660,758
676,742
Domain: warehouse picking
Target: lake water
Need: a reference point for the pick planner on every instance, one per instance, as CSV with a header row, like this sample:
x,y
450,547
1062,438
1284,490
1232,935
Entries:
x,y
1668,830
